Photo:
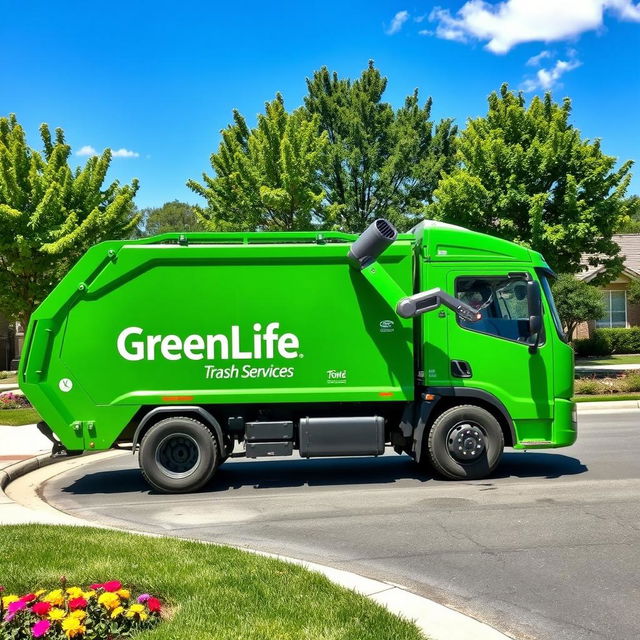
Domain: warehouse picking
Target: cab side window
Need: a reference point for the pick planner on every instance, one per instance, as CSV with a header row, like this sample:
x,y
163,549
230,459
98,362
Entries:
x,y
502,301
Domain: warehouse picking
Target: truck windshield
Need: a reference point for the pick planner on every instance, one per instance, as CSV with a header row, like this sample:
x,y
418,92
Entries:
x,y
544,281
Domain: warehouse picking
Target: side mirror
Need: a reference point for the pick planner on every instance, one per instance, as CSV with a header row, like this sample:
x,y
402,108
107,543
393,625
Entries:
x,y
419,303
534,300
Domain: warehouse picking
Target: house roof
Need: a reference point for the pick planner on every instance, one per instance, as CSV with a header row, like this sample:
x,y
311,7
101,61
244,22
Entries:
x,y
629,244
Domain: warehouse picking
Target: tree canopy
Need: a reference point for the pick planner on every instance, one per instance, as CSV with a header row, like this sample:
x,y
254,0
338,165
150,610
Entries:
x,y
171,216
265,178
577,302
381,162
524,173
50,214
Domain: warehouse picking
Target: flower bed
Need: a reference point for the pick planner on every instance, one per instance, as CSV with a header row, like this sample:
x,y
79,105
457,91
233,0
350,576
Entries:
x,y
13,401
101,612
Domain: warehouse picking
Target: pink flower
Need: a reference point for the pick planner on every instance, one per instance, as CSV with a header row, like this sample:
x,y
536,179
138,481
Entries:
x,y
143,597
13,608
96,585
112,586
40,628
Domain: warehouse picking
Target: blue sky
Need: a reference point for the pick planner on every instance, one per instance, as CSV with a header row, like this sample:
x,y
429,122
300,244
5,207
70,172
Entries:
x,y
158,80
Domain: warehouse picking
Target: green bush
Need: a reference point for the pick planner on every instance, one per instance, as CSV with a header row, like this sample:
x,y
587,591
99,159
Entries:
x,y
588,386
604,342
598,344
631,382
4,375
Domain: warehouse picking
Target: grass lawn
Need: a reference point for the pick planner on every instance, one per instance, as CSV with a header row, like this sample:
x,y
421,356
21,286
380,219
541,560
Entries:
x,y
621,359
607,397
215,592
18,417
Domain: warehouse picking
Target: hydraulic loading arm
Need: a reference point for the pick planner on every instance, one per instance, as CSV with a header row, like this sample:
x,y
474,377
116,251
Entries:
x,y
364,254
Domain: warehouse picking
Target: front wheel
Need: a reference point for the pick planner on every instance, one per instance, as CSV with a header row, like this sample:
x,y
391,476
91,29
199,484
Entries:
x,y
465,443
178,455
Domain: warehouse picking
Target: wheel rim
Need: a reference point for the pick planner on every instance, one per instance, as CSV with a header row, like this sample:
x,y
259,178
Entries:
x,y
178,455
466,441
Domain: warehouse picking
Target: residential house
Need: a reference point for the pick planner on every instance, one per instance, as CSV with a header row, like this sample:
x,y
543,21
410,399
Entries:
x,y
619,311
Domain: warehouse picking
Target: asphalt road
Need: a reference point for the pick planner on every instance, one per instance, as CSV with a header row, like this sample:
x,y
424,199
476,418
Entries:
x,y
548,549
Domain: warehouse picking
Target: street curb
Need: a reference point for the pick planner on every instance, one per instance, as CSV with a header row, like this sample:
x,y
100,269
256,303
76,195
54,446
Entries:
x,y
609,405
435,620
19,469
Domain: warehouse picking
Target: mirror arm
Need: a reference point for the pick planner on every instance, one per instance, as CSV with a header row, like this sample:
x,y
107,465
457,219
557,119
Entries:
x,y
419,303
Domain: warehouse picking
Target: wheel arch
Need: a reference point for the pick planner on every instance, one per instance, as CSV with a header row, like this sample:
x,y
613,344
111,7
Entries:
x,y
191,411
447,397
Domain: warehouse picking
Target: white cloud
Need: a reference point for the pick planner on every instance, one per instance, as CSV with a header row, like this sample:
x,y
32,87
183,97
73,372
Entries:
x,y
398,21
511,22
124,153
534,61
87,150
548,78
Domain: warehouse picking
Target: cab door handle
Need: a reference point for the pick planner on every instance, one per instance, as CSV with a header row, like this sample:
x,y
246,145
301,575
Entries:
x,y
461,369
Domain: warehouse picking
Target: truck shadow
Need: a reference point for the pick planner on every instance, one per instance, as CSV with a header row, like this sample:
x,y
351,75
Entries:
x,y
274,474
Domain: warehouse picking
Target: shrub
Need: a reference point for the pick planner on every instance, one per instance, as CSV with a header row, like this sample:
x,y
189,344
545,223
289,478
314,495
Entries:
x,y
13,401
4,375
631,382
622,340
598,344
588,386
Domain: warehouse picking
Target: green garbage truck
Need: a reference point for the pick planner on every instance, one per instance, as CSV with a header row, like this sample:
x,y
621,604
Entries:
x,y
441,343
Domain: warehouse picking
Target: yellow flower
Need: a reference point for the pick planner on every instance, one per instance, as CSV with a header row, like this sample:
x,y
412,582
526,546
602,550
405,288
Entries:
x,y
109,600
124,593
79,614
136,610
74,592
55,597
72,627
88,594
7,600
117,612
56,614
38,593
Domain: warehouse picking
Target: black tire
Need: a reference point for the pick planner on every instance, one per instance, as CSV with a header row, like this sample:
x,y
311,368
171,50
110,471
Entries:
x,y
178,455
465,443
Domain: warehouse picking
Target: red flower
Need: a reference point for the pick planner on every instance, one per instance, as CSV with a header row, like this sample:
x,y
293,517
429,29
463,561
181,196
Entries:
x,y
96,586
112,586
77,603
30,597
154,605
41,608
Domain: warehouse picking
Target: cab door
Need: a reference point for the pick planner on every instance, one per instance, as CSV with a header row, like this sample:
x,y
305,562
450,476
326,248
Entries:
x,y
496,353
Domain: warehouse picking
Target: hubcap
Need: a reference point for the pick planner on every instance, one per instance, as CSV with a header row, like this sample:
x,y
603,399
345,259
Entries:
x,y
178,455
466,441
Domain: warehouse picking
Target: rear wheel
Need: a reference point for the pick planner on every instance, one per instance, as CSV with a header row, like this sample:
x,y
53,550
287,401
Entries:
x,y
465,443
178,455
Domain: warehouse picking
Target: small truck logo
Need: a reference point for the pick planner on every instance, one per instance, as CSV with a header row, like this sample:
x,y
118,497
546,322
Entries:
x,y
387,326
337,377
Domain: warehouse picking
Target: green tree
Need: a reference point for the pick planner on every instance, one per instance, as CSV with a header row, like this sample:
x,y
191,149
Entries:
x,y
171,216
50,214
381,162
576,301
631,223
525,174
267,177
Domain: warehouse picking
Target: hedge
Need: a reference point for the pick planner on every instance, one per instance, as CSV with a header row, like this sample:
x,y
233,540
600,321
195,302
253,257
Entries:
x,y
604,342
